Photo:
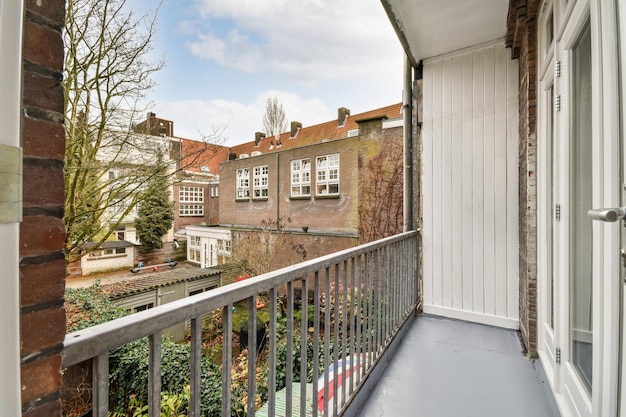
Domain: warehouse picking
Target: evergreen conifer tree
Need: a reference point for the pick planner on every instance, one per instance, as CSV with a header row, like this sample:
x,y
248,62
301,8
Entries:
x,y
155,214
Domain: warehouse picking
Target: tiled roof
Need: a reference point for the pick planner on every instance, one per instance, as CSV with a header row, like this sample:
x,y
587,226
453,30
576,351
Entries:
x,y
309,135
197,154
167,275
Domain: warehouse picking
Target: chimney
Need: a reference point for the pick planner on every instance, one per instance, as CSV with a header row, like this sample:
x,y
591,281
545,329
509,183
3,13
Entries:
x,y
295,127
342,116
258,137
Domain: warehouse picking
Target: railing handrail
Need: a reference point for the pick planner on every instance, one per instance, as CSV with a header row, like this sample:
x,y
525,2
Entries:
x,y
94,341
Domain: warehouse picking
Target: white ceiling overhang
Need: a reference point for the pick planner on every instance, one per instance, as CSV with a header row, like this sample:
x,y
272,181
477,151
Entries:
x,y
429,28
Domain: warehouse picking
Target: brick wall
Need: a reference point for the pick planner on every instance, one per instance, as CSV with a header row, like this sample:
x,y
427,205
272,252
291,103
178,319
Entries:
x,y
42,263
522,38
311,212
315,245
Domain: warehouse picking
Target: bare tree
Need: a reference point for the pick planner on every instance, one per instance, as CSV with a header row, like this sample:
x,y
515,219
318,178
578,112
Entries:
x,y
381,193
107,74
274,120
256,251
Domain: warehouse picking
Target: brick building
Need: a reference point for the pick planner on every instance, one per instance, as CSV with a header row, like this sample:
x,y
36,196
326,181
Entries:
x,y
318,177
196,191
196,185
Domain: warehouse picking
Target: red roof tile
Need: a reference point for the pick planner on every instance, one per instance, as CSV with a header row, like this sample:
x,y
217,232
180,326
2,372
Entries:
x,y
317,133
197,154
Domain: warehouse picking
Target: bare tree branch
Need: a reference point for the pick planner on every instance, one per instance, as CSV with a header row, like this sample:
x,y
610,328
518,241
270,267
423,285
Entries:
x,y
107,75
274,120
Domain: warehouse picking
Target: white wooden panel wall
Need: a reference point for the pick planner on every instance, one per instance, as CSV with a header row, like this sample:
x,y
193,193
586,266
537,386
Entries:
x,y
470,186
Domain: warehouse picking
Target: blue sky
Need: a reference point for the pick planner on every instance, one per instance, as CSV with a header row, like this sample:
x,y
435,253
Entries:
x,y
226,57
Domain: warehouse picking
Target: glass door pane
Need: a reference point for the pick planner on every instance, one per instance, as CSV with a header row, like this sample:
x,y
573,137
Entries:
x,y
580,203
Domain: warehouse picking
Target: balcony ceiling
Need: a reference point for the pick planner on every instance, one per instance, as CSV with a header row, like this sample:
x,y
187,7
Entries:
x,y
428,28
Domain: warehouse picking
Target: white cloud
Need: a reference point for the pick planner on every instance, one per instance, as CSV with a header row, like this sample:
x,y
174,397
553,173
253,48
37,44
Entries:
x,y
309,40
237,122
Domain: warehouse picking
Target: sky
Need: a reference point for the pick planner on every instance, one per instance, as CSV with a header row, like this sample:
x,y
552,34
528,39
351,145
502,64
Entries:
x,y
225,58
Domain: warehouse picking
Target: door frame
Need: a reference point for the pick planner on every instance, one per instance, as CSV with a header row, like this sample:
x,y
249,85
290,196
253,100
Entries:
x,y
606,157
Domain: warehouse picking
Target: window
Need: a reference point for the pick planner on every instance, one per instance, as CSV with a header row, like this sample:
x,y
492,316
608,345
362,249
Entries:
x,y
103,253
243,183
121,233
194,249
222,252
215,191
223,247
143,307
260,179
117,208
191,201
327,175
301,177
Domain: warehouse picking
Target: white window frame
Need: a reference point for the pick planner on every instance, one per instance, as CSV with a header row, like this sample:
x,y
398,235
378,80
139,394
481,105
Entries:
x,y
224,248
191,201
107,253
194,249
301,177
260,180
327,175
243,183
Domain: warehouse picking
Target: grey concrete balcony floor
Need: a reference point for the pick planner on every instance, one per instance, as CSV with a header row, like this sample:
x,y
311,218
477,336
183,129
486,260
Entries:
x,y
450,368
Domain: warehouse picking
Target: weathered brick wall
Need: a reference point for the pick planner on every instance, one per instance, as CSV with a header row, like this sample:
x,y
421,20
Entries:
x,y
522,38
42,264
311,212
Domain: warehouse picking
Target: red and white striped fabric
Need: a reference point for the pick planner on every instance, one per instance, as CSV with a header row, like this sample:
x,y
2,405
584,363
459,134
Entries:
x,y
345,369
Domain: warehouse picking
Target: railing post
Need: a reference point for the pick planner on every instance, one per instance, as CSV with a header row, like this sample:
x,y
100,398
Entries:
x,y
227,354
345,317
196,366
251,356
100,384
272,355
289,362
327,328
336,339
353,322
304,323
154,375
316,338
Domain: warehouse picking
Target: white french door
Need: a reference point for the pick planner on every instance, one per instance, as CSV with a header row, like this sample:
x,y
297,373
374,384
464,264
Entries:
x,y
579,169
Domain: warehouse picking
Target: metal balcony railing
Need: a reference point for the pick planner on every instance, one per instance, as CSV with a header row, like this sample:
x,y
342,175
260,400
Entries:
x,y
352,305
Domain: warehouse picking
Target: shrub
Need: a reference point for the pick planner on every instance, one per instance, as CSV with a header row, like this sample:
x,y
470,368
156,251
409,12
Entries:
x,y
87,307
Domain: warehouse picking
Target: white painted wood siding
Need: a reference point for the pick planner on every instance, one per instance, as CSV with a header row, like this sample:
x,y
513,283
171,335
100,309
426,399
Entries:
x,y
470,186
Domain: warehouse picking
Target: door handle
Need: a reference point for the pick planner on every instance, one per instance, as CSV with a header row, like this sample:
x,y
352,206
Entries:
x,y
608,214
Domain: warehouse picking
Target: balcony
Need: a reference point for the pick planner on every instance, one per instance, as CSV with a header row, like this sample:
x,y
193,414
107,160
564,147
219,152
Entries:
x,y
354,312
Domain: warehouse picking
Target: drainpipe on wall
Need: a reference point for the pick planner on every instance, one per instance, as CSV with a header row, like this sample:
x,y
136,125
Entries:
x,y
11,19
407,114
277,188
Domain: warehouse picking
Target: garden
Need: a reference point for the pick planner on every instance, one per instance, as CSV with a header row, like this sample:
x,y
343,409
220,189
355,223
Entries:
x,y
128,365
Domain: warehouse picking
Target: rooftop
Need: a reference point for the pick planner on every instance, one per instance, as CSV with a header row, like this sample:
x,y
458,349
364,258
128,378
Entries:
x,y
308,135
